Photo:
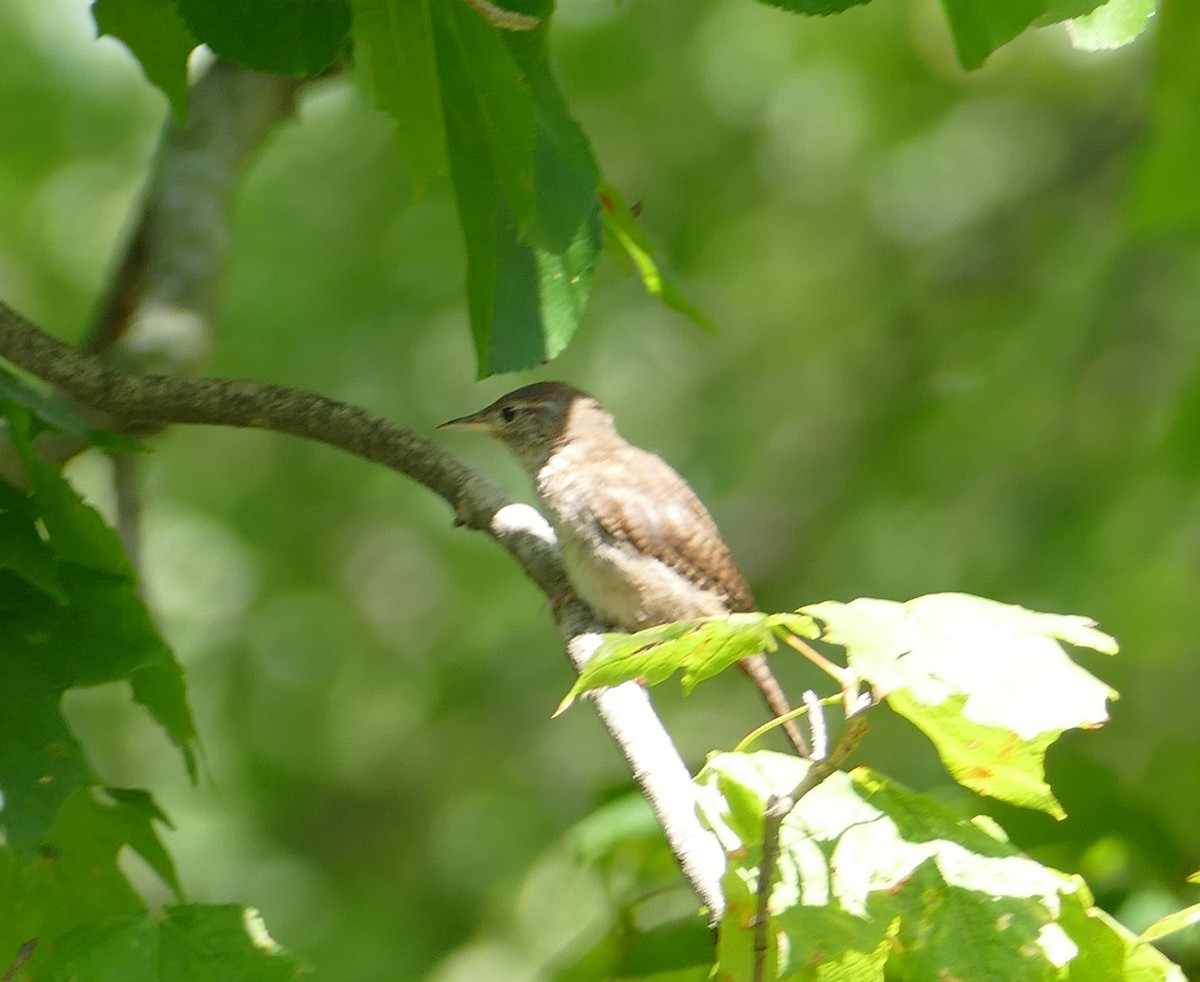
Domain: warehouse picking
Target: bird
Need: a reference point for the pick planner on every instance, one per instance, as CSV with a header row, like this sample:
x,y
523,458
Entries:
x,y
638,545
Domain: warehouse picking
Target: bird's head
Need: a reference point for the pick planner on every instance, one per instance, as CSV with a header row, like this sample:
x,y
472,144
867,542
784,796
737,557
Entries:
x,y
533,420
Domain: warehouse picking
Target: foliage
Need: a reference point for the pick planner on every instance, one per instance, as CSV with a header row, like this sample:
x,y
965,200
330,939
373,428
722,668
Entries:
x,y
321,684
871,877
483,99
72,619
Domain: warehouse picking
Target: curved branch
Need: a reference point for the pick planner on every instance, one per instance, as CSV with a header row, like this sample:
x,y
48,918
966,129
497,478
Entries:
x,y
137,403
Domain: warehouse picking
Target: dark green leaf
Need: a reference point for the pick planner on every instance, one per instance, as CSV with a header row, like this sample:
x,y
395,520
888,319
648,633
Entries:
x,y
815,7
527,280
77,533
101,634
52,413
284,37
566,176
158,37
41,762
981,26
22,550
395,40
1060,10
483,86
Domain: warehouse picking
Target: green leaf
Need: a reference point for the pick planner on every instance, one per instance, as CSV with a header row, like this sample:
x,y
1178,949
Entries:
x,y
870,873
487,92
101,634
187,943
981,26
394,38
818,8
1114,25
566,177
75,530
520,171
698,648
22,550
624,238
991,653
158,37
987,682
70,617
52,413
283,37
1172,923
1060,10
41,762
991,760
88,837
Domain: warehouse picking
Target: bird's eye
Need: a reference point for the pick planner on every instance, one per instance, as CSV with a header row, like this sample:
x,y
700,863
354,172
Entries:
x,y
509,413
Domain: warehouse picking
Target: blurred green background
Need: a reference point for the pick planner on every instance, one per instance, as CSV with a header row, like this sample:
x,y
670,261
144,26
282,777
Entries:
x,y
946,363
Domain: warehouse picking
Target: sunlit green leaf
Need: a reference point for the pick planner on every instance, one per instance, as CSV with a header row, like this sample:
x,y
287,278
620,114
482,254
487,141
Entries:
x,y
699,649
625,235
1172,923
1113,25
960,668
870,872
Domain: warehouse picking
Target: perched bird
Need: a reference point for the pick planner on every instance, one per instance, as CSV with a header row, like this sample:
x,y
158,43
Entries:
x,y
638,545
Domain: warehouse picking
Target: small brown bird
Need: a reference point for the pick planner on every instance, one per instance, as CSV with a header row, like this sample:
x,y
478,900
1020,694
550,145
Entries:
x,y
638,545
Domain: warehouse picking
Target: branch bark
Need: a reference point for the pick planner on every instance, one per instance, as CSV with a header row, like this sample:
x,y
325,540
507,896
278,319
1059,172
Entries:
x,y
137,403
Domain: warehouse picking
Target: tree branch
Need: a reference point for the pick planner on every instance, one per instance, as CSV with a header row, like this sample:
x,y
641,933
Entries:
x,y
160,309
137,403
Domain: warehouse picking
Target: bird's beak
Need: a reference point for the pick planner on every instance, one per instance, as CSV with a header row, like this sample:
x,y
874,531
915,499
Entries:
x,y
476,421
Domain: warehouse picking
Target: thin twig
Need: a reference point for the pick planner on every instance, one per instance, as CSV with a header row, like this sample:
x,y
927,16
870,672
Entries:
x,y
777,809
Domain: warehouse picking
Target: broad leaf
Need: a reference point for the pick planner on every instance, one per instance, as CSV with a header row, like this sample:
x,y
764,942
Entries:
x,y
22,550
989,683
187,943
158,37
394,38
699,649
815,7
283,37
979,28
525,181
871,874
1114,25
1060,10
70,617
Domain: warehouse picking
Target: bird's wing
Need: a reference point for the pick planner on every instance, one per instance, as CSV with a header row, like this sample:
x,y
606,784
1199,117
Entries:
x,y
671,524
